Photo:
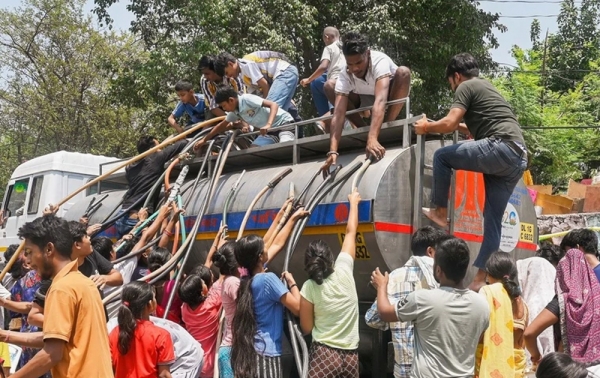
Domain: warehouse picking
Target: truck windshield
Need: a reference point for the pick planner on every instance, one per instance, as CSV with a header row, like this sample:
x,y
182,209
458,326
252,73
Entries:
x,y
17,193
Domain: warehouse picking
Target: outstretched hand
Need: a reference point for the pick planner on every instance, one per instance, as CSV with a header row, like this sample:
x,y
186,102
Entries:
x,y
300,213
379,280
354,197
374,149
331,160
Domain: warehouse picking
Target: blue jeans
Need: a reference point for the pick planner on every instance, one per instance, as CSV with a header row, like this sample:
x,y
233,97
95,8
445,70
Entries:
x,y
502,168
283,89
319,98
124,224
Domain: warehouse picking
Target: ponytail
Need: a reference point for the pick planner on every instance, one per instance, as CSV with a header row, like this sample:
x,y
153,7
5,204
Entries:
x,y
248,251
192,290
243,353
136,296
500,266
318,261
511,286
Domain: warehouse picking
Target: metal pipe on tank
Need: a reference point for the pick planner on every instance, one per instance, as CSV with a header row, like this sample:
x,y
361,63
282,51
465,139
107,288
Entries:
x,y
221,164
273,183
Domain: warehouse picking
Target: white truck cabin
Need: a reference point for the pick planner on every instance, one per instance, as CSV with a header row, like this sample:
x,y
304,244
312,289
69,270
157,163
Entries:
x,y
44,180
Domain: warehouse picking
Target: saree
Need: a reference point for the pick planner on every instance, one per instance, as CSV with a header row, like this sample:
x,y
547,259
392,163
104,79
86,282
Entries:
x,y
495,358
579,300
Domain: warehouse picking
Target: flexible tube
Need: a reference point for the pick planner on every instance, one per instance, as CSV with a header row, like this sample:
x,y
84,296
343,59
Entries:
x,y
273,183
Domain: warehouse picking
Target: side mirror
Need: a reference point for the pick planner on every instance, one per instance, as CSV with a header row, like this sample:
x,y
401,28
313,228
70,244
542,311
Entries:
x,y
20,211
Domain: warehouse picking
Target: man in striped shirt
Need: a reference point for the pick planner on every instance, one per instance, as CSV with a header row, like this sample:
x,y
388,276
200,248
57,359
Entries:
x,y
416,274
265,72
211,81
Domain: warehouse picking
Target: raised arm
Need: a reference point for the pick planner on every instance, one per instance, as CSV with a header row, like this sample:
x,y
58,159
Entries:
x,y
386,310
349,245
273,227
217,243
284,234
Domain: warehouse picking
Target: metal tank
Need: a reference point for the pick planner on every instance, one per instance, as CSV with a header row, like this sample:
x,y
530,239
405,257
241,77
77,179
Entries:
x,y
386,220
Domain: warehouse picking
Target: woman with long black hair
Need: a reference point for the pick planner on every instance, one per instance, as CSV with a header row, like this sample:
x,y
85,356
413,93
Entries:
x,y
258,320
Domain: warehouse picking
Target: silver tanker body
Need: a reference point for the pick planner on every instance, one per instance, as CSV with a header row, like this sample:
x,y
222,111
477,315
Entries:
x,y
385,219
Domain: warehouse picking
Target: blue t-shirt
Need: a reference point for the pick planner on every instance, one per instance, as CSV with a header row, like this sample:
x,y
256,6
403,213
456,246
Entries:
x,y
597,272
196,113
250,110
267,291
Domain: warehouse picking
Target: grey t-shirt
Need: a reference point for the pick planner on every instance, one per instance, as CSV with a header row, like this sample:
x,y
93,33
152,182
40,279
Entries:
x,y
488,114
448,325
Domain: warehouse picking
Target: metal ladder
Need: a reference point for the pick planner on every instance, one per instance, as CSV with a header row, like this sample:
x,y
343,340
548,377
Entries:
x,y
418,188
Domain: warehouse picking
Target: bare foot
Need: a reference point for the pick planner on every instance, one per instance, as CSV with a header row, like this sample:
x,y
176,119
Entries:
x,y
435,217
478,281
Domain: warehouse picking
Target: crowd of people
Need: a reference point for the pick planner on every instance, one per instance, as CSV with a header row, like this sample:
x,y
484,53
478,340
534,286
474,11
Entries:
x,y
538,314
226,316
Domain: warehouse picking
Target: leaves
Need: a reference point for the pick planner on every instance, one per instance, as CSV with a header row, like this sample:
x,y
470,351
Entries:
x,y
59,70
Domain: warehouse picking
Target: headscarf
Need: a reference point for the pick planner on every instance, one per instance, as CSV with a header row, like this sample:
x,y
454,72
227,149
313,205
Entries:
x,y
536,278
579,300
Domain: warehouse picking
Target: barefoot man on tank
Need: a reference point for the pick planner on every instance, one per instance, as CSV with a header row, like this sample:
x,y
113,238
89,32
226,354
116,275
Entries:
x,y
498,151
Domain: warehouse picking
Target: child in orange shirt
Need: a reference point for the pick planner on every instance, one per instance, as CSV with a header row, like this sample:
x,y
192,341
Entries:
x,y
139,349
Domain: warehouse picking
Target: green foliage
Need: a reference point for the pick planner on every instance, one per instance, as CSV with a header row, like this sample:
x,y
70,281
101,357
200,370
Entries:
x,y
558,154
413,33
58,69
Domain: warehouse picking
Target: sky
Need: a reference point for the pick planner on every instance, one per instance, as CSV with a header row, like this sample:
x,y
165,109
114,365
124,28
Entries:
x,y
515,15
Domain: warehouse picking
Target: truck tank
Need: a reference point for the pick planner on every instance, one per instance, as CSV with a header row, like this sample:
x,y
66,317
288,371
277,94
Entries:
x,y
385,220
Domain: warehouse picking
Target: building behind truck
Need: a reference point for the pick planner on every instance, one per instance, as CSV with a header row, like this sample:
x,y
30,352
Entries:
x,y
47,180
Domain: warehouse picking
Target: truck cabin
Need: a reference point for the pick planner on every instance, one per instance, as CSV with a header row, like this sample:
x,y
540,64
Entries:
x,y
44,180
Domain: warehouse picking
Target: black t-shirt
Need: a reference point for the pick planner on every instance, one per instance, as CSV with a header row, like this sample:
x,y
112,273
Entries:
x,y
487,113
95,264
143,174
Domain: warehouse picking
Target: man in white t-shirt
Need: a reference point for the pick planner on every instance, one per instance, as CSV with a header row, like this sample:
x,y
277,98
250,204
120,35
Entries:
x,y
370,78
448,321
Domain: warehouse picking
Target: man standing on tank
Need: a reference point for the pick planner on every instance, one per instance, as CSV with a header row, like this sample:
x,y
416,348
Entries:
x,y
370,78
498,151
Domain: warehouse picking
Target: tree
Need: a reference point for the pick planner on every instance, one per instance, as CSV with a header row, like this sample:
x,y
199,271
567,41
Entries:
x,y
58,69
413,32
558,154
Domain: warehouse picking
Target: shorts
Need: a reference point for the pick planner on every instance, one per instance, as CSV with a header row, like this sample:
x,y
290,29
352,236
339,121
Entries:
x,y
328,362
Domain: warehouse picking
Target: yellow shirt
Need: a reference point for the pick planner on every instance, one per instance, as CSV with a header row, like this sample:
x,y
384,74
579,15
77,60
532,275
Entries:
x,y
74,313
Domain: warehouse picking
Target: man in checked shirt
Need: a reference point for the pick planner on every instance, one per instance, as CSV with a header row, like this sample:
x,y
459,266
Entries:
x,y
416,274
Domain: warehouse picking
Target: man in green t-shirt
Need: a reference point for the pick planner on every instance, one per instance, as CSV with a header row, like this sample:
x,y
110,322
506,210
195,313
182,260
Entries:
x,y
498,151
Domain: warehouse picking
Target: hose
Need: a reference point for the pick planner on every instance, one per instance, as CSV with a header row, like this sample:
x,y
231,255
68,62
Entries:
x,y
273,183
232,192
320,193
221,164
200,172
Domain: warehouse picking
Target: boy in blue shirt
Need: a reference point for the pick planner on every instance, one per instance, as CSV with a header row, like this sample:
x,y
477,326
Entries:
x,y
256,112
189,103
